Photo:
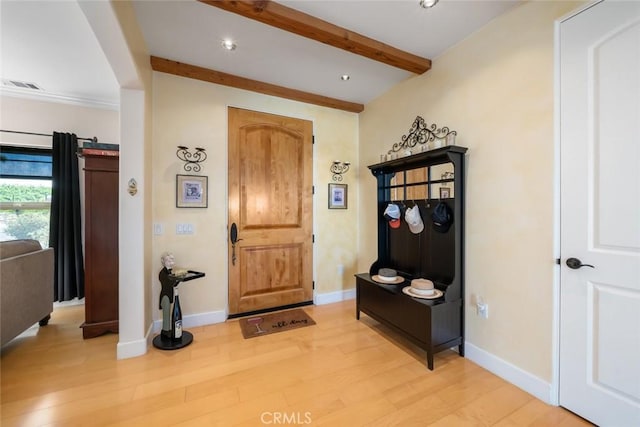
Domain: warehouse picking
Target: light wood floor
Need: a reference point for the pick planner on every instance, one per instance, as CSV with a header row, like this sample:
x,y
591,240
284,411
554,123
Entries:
x,y
340,372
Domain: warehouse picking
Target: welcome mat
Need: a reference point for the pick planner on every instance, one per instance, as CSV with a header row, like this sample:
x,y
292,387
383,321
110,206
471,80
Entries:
x,y
264,324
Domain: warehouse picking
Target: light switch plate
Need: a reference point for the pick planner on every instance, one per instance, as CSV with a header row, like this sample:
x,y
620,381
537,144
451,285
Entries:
x,y
184,228
158,229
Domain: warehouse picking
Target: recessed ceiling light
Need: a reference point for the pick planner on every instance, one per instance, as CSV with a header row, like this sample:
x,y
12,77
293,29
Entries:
x,y
228,44
428,3
345,77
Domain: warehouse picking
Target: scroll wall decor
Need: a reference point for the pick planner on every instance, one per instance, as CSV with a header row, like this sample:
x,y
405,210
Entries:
x,y
191,160
338,168
427,137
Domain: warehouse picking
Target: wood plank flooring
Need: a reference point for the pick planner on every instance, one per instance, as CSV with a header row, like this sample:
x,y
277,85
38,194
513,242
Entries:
x,y
339,372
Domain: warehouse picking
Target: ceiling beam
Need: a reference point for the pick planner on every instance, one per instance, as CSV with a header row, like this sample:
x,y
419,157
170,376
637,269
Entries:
x,y
218,77
294,21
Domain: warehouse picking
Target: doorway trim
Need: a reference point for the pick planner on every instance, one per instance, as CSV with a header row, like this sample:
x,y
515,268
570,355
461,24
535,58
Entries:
x,y
554,392
134,337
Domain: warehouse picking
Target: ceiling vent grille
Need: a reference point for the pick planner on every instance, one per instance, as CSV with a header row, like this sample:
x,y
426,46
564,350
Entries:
x,y
21,85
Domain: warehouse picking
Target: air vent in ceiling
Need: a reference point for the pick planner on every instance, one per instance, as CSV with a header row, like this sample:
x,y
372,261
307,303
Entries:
x,y
21,85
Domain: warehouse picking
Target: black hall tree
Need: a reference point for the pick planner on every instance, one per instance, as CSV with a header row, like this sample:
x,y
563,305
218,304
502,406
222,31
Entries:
x,y
434,182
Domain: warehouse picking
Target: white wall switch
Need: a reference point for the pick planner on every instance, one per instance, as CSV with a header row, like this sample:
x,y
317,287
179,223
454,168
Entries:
x,y
158,229
184,228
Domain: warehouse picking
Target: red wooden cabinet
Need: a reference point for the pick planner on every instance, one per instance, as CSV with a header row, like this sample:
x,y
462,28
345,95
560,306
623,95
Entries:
x,y
101,243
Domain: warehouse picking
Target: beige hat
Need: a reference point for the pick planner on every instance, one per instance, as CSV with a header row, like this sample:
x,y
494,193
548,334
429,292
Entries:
x,y
422,287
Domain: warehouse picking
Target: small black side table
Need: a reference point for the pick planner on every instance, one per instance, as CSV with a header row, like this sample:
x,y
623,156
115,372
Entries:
x,y
166,343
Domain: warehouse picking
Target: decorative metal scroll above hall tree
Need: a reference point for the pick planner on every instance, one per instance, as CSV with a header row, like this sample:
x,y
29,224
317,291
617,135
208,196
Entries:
x,y
423,135
192,160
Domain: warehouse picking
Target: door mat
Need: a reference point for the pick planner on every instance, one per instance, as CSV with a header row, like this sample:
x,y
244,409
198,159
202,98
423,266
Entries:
x,y
264,324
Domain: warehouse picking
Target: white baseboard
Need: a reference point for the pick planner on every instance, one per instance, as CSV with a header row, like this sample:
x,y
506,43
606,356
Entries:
x,y
509,372
194,320
331,297
73,302
127,350
135,348
139,347
221,316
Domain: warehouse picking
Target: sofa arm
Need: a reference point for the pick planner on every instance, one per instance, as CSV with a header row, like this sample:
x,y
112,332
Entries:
x,y
27,291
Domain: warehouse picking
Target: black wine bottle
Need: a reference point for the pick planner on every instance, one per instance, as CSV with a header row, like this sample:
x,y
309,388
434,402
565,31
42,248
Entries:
x,y
176,317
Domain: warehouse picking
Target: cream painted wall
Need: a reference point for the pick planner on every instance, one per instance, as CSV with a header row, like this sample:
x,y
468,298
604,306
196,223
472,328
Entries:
x,y
194,113
495,89
29,115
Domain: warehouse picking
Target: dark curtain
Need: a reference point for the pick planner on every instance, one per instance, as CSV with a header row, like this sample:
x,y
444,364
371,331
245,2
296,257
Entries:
x,y
65,226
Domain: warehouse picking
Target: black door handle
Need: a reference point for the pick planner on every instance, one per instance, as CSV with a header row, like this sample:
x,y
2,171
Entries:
x,y
233,236
233,233
575,264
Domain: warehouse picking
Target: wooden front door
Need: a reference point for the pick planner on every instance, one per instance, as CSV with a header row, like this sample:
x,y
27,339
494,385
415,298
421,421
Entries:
x,y
600,213
270,203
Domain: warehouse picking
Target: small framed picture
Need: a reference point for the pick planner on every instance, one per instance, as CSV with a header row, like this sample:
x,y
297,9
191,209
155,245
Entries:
x,y
337,196
191,191
445,192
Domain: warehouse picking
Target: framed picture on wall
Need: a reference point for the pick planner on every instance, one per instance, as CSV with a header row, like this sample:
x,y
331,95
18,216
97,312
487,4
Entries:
x,y
337,196
445,192
191,191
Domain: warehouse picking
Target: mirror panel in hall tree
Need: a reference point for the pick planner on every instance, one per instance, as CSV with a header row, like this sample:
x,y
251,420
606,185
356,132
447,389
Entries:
x,y
412,184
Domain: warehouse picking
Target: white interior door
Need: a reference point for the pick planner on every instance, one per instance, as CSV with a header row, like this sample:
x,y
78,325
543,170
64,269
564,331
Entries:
x,y
600,213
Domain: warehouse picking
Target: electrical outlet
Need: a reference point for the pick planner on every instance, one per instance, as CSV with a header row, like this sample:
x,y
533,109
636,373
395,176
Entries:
x,y
483,309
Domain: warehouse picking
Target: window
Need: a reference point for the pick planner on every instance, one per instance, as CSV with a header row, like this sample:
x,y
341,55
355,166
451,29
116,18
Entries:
x,y
25,193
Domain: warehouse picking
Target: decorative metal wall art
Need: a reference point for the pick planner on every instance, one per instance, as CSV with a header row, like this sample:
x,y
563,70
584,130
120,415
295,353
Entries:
x,y
427,4
425,136
447,175
445,191
338,168
192,160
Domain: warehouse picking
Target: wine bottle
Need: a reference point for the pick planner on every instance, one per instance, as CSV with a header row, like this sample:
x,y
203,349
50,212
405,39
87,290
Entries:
x,y
176,318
